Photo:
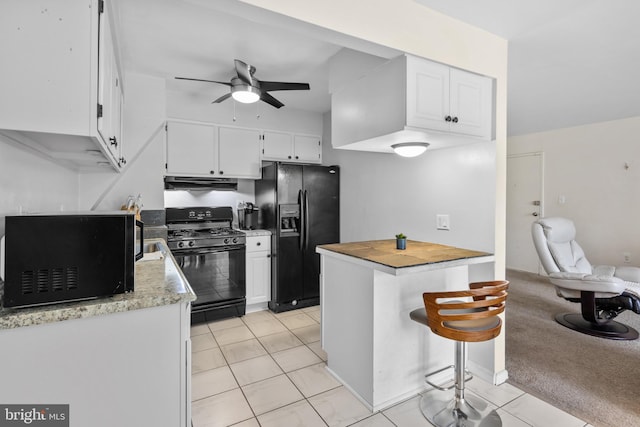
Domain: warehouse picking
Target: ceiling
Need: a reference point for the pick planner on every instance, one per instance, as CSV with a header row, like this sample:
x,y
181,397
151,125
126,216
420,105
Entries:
x,y
571,62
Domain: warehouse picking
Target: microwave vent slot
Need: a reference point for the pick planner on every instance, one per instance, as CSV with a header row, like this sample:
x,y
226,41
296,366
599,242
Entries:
x,y
72,278
57,279
42,284
27,282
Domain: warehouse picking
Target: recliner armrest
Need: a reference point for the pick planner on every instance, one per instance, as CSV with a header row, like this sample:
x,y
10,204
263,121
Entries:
x,y
588,282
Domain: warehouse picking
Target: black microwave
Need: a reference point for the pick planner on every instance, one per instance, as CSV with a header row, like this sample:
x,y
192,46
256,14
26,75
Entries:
x,y
51,258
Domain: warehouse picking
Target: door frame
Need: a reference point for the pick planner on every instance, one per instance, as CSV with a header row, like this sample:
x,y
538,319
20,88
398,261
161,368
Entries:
x,y
541,212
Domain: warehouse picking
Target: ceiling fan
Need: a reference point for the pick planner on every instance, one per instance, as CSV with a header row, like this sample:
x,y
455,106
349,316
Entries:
x,y
246,88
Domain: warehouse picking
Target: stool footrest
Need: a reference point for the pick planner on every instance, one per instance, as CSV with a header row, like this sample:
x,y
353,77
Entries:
x,y
450,383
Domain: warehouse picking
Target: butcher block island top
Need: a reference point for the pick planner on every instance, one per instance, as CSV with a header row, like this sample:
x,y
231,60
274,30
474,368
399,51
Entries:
x,y
418,256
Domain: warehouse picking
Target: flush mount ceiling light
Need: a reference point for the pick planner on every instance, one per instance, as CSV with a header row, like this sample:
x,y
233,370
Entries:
x,y
245,93
410,149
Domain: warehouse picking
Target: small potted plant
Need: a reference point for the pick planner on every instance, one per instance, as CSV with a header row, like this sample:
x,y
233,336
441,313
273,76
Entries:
x,y
401,241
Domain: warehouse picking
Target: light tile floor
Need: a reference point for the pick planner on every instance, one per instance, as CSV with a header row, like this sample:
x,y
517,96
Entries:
x,y
268,370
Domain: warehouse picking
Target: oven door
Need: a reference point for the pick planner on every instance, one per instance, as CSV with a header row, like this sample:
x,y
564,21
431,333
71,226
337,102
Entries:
x,y
217,275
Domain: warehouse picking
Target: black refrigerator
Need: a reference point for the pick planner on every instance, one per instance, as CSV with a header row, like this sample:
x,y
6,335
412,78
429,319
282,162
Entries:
x,y
300,205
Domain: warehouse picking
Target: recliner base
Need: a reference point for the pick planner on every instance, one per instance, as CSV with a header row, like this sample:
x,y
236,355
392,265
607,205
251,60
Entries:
x,y
610,330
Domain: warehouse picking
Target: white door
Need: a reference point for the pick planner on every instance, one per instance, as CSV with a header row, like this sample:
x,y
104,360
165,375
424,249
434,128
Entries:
x,y
524,206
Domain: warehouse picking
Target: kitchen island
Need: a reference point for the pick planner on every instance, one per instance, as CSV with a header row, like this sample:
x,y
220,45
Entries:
x,y
122,360
367,290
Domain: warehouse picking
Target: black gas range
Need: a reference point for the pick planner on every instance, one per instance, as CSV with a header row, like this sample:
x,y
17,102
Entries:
x,y
211,255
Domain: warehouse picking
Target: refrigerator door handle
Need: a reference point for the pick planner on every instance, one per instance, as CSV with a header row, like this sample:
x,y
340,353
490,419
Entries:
x,y
306,220
302,219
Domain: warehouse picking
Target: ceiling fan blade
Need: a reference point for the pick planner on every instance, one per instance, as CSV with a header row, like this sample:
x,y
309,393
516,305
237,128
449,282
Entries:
x,y
222,98
270,100
283,86
245,71
202,80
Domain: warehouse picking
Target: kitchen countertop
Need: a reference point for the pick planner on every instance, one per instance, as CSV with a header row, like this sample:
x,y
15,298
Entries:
x,y
255,233
418,256
158,282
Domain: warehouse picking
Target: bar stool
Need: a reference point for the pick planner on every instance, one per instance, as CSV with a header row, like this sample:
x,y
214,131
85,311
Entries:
x,y
473,319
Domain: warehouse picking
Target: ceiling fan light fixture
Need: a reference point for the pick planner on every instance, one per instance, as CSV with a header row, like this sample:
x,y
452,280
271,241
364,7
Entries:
x,y
410,149
245,94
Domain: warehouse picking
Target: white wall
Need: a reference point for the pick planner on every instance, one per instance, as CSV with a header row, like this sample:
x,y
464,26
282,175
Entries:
x,y
586,165
31,183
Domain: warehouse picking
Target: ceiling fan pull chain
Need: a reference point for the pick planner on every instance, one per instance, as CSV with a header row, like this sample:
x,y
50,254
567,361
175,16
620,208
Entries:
x,y
234,110
257,111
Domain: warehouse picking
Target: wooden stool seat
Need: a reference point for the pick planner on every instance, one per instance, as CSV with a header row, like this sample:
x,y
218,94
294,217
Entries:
x,y
471,317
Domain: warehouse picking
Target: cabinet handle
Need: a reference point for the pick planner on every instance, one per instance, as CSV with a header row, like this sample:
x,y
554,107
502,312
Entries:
x,y
289,157
123,161
258,244
268,255
455,120
297,157
113,141
447,119
221,172
212,172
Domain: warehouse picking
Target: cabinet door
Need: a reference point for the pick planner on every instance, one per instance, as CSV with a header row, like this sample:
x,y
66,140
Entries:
x,y
239,153
258,277
106,94
116,121
307,148
277,146
427,94
110,96
191,149
471,100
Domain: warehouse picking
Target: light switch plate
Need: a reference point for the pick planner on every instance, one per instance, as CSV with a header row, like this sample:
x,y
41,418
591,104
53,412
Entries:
x,y
442,222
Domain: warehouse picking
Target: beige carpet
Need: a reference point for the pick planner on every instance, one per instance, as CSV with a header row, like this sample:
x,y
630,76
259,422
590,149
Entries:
x,y
594,379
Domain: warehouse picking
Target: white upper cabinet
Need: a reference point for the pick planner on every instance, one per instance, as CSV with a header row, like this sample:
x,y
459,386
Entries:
x,y
58,65
290,147
448,99
411,99
239,153
203,149
192,149
307,148
110,92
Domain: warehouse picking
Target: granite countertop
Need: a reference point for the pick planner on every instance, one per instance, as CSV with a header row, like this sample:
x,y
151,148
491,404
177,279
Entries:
x,y
158,282
255,233
418,256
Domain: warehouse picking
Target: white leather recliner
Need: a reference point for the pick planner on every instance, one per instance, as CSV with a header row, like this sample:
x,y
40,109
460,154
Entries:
x,y
603,291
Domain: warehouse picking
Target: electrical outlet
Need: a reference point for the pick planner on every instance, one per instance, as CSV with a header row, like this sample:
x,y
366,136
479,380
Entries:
x,y
442,222
627,257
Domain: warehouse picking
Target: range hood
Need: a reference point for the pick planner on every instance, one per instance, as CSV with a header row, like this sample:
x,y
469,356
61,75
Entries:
x,y
199,183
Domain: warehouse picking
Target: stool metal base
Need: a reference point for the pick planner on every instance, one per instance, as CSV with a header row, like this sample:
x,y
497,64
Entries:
x,y
442,411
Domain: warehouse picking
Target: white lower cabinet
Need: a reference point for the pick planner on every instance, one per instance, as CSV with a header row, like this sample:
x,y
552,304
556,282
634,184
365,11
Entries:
x,y
258,271
120,369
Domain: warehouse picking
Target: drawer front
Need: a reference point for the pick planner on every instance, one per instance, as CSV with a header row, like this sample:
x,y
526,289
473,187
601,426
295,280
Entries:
x,y
259,243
